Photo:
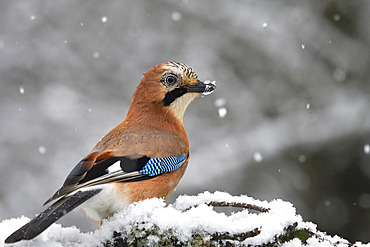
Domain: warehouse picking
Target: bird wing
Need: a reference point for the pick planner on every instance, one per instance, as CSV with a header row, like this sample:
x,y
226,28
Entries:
x,y
101,168
95,169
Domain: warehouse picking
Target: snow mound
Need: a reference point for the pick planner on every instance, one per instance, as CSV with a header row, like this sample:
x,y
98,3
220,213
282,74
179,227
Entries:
x,y
189,215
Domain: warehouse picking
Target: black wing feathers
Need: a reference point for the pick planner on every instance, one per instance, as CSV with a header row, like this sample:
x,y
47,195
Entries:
x,y
76,174
99,169
133,165
88,170
50,215
127,165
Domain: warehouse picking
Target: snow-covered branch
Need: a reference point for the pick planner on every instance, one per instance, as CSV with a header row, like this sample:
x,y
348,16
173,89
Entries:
x,y
193,221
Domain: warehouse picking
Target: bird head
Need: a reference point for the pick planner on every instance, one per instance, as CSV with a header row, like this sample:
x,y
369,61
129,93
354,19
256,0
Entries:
x,y
172,86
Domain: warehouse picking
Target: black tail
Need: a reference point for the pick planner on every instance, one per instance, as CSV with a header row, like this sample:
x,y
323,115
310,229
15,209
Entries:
x,y
61,207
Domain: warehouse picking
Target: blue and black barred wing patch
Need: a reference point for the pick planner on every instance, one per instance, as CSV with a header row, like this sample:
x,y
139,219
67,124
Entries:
x,y
158,166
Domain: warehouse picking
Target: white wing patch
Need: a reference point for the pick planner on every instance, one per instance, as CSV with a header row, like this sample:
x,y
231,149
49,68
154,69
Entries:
x,y
115,167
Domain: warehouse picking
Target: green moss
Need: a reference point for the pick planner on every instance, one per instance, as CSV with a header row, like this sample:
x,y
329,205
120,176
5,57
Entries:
x,y
302,235
291,233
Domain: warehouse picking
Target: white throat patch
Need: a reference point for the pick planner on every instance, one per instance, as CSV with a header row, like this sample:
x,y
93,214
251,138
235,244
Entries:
x,y
179,106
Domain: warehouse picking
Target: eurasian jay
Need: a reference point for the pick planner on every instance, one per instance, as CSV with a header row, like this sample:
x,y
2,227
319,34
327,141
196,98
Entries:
x,y
145,156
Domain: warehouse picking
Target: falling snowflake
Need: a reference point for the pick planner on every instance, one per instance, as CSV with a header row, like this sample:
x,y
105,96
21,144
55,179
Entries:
x,y
302,158
336,17
222,112
340,75
367,149
96,54
220,102
176,16
257,156
42,149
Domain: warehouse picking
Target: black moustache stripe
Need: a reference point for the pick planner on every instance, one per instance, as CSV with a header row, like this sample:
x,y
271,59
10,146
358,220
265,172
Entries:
x,y
173,95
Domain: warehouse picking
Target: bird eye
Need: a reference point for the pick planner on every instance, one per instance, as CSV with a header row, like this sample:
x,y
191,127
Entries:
x,y
170,80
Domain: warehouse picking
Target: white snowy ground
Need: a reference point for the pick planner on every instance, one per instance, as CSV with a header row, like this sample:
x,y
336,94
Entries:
x,y
184,223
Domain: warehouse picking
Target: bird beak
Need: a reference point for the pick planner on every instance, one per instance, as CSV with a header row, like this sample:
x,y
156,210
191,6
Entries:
x,y
206,87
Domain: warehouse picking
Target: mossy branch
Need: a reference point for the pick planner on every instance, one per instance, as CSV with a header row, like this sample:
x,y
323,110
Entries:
x,y
265,224
140,237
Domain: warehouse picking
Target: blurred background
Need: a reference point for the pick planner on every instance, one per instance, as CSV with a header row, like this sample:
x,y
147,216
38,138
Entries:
x,y
290,118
